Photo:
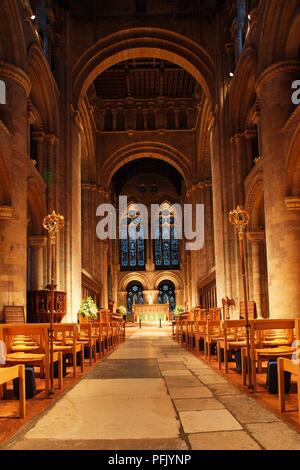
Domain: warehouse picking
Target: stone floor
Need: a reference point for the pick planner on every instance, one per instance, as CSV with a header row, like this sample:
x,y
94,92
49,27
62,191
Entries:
x,y
152,394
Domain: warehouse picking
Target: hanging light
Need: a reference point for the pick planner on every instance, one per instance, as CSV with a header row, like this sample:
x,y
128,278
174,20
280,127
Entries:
x,y
33,17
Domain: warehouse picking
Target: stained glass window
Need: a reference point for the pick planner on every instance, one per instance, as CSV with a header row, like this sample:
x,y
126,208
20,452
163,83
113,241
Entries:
x,y
134,295
132,243
166,294
166,245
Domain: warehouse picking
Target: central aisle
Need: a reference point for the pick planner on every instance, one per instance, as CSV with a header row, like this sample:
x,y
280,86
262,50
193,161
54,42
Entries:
x,y
152,394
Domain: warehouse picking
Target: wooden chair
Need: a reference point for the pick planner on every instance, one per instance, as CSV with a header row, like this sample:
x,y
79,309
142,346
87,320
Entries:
x,y
214,333
85,337
234,332
215,314
16,372
67,336
40,333
200,334
292,366
258,329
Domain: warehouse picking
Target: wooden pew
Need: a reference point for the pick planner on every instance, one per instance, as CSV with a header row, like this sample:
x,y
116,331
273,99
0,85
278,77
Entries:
x,y
292,366
16,372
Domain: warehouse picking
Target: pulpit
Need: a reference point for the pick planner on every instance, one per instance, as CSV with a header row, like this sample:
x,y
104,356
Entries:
x,y
151,312
39,306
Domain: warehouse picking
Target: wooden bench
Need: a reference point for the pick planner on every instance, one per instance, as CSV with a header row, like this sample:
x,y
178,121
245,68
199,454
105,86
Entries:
x,y
292,366
17,372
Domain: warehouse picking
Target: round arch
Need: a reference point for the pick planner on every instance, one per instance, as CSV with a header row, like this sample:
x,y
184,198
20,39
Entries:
x,y
134,277
168,276
141,43
147,149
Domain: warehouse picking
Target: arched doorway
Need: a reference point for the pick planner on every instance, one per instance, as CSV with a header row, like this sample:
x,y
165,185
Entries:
x,y
166,294
134,295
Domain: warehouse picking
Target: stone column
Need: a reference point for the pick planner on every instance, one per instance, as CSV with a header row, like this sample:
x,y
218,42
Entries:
x,y
38,245
72,230
282,225
256,239
52,175
13,231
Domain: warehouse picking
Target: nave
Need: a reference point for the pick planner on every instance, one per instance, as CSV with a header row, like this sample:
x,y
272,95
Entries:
x,y
150,393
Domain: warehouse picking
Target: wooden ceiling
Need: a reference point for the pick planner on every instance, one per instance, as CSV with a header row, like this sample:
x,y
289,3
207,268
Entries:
x,y
145,79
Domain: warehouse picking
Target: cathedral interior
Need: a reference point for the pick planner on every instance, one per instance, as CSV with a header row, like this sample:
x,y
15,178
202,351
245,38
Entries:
x,y
170,104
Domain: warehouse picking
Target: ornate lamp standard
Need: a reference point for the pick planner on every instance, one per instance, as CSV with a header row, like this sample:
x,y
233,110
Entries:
x,y
240,219
53,223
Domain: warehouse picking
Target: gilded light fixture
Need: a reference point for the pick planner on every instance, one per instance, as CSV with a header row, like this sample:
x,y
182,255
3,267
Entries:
x,y
53,223
240,219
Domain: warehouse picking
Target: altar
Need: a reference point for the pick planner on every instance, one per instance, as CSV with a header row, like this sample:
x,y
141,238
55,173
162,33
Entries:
x,y
151,312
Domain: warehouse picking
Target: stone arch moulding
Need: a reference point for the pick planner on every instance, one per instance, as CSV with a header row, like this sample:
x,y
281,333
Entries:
x,y
243,93
44,91
147,149
138,43
293,38
293,167
254,200
130,277
168,276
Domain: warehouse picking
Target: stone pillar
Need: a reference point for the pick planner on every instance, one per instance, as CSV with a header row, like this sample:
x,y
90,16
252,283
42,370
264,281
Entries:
x,y
13,231
72,230
38,245
282,225
52,175
256,239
